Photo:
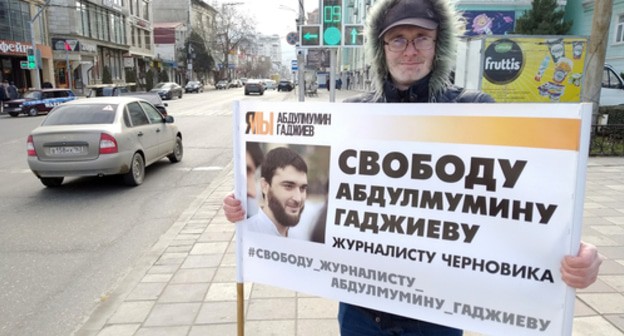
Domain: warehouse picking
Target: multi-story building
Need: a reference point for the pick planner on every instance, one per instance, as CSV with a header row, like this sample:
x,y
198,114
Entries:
x,y
168,39
89,42
270,46
140,37
581,12
197,16
16,34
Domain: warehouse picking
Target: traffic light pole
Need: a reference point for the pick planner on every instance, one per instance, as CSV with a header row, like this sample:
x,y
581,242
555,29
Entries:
x,y
300,58
36,80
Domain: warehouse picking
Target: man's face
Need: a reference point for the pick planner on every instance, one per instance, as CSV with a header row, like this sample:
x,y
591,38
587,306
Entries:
x,y
410,65
286,195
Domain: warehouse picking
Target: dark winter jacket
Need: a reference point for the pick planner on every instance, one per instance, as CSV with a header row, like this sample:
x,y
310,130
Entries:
x,y
438,86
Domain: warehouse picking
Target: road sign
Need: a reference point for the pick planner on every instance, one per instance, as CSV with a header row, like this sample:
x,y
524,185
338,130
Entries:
x,y
353,35
292,38
310,36
24,65
294,65
332,22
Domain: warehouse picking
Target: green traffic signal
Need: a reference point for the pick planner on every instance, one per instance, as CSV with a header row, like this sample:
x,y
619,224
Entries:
x,y
332,22
31,58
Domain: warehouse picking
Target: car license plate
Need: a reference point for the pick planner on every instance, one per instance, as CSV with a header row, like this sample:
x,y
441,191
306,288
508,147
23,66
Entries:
x,y
67,150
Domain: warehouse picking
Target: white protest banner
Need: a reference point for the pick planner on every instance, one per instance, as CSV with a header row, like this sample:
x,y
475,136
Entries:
x,y
458,214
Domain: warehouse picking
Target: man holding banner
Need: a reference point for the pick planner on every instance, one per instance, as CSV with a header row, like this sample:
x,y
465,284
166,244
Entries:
x,y
410,43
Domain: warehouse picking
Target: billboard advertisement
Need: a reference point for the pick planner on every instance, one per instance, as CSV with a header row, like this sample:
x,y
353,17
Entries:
x,y
534,69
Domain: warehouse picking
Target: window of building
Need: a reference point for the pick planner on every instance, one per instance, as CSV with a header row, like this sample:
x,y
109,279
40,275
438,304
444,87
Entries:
x,y
619,30
148,39
14,20
145,9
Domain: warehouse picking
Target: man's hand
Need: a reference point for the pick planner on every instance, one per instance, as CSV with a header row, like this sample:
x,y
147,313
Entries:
x,y
582,270
233,209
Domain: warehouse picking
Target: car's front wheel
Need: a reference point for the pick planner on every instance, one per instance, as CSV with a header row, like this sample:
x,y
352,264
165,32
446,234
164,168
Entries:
x,y
51,182
137,171
178,151
13,114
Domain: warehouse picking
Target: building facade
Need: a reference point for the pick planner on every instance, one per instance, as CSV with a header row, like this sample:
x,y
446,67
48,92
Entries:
x,y
197,16
89,42
140,57
17,30
581,13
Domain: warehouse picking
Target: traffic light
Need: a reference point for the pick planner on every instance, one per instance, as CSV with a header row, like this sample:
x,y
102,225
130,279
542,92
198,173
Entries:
x,y
310,36
353,35
332,22
31,58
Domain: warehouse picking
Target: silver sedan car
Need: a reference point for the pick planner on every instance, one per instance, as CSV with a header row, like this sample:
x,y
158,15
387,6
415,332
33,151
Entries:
x,y
102,136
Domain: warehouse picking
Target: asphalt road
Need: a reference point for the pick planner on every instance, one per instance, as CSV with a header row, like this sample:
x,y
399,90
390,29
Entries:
x,y
63,250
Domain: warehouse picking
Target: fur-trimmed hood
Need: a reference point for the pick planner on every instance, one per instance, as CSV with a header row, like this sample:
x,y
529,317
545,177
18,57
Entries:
x,y
450,26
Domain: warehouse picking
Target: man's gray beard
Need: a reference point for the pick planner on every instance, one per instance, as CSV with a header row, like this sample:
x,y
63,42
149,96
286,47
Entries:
x,y
280,213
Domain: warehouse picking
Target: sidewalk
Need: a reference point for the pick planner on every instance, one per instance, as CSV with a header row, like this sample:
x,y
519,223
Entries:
x,y
186,284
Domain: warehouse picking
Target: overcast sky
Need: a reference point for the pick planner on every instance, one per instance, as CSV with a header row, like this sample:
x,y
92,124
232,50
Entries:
x,y
275,17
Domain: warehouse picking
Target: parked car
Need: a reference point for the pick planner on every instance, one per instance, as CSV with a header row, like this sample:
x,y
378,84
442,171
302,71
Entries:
x,y
102,136
168,90
254,86
612,91
285,85
108,90
235,83
34,102
222,85
194,86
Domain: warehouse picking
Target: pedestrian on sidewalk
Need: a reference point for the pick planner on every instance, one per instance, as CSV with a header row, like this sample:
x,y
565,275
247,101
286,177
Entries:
x,y
411,47
12,91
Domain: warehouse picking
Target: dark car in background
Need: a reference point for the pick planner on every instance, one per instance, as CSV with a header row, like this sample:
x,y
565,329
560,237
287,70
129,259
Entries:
x,y
254,86
34,102
168,90
285,85
193,86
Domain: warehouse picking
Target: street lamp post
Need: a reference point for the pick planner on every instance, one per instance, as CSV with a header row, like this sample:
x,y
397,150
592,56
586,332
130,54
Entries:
x,y
37,79
300,58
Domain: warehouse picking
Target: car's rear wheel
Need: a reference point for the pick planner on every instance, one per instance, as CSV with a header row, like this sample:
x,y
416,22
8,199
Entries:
x,y
33,111
52,182
178,151
137,171
180,96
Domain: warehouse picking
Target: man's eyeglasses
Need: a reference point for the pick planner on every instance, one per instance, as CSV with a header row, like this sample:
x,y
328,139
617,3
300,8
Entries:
x,y
420,43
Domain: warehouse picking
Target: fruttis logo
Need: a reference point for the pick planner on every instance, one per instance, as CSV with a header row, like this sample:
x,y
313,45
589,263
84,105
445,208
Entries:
x,y
503,62
285,123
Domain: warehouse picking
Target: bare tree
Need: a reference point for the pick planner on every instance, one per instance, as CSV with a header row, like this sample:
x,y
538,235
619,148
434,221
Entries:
x,y
232,27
